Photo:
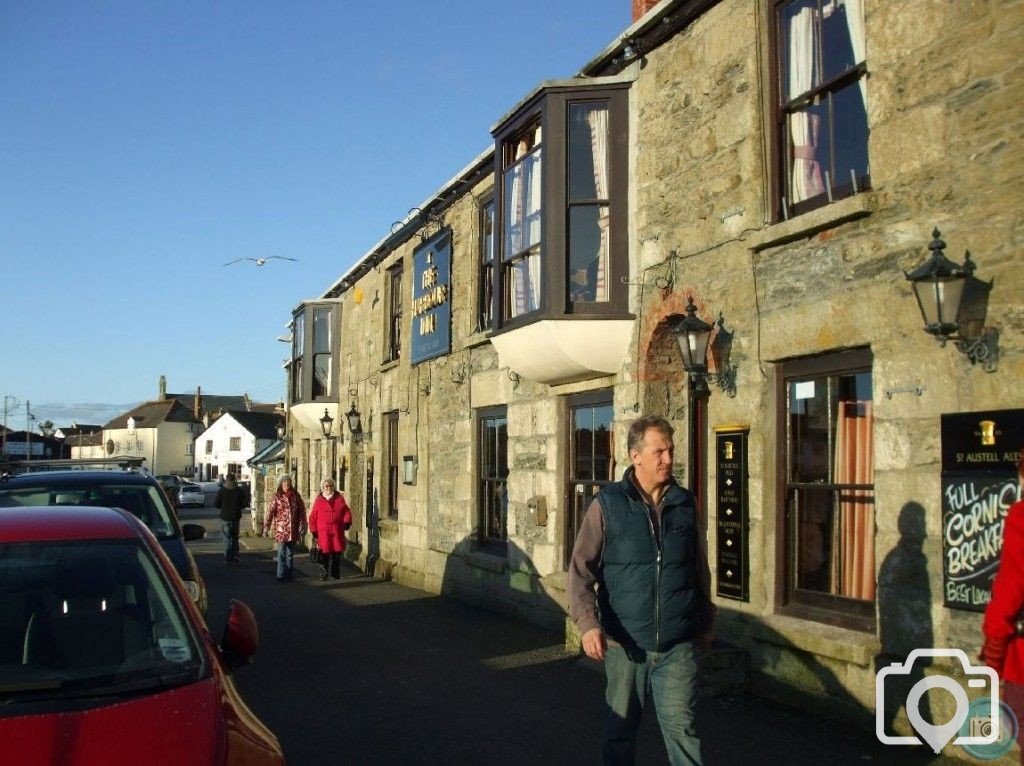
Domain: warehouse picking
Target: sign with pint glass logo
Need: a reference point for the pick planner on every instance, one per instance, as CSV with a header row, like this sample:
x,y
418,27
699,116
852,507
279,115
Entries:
x,y
980,452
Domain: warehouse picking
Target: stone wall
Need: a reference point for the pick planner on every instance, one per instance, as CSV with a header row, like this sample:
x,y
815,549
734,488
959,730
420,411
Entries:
x,y
944,96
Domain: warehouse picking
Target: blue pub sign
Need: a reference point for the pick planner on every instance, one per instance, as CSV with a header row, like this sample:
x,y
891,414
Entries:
x,y
432,299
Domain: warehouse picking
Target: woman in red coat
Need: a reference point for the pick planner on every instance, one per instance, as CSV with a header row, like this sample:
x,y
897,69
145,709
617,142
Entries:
x,y
328,521
1004,646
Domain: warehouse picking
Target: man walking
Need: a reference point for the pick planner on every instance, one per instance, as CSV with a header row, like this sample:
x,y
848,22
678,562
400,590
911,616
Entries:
x,y
230,500
651,614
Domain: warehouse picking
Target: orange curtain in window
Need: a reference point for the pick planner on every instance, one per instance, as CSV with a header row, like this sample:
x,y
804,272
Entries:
x,y
855,464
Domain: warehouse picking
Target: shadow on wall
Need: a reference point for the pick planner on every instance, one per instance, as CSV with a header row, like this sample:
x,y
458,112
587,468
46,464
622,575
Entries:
x,y
904,611
500,580
787,667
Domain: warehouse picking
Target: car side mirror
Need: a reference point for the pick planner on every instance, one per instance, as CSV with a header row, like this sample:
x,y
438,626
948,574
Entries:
x,y
193,532
241,635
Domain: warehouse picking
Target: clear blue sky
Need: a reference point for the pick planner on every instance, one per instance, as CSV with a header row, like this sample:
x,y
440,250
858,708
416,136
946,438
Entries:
x,y
143,145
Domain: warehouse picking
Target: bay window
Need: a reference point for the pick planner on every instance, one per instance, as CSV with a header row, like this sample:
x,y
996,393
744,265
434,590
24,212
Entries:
x,y
311,370
561,167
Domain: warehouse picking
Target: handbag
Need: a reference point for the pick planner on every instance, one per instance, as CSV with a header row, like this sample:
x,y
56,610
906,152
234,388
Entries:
x,y
316,556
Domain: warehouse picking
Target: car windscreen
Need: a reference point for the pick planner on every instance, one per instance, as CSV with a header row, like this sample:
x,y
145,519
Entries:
x,y
144,501
89,619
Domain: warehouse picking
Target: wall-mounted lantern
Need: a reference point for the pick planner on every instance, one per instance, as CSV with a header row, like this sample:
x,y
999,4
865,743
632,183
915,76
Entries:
x,y
939,286
282,434
355,425
693,335
409,469
326,424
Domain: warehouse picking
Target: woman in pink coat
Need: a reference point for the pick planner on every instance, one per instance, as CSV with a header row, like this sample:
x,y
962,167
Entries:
x,y
328,521
287,517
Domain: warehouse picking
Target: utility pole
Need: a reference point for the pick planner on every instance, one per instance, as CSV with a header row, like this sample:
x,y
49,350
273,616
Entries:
x,y
28,432
13,400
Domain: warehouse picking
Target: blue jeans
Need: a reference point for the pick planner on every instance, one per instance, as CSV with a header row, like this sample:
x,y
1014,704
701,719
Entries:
x,y
671,679
285,554
229,529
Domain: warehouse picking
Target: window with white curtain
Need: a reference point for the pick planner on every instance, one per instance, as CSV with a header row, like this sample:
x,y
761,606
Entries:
x,y
521,253
822,118
589,222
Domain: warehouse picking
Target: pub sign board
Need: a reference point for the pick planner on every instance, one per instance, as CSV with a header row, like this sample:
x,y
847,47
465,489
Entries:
x,y
732,553
980,452
432,299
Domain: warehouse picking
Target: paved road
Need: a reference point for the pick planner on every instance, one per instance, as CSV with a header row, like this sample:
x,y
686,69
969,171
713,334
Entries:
x,y
367,672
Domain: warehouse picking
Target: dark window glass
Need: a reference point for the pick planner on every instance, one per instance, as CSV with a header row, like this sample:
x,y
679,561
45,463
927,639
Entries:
x,y
394,346
592,457
321,352
298,337
486,291
391,445
493,441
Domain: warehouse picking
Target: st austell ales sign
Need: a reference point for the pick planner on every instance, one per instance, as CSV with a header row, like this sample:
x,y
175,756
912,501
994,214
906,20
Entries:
x,y
980,452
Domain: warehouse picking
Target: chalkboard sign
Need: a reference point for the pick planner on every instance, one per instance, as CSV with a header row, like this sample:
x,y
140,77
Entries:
x,y
732,554
980,452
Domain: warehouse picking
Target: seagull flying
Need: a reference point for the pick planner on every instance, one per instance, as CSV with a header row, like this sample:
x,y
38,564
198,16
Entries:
x,y
261,261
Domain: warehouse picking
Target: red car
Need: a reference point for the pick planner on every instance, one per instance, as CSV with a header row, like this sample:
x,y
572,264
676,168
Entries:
x,y
104,658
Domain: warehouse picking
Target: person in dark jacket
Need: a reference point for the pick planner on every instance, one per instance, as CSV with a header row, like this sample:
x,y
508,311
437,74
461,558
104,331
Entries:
x,y
639,594
328,521
231,501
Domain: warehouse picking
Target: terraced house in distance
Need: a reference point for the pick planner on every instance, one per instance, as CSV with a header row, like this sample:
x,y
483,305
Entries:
x,y
749,217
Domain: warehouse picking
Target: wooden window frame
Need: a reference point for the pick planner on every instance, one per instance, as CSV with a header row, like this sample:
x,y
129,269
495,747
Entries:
x,y
779,111
486,269
819,607
483,482
395,307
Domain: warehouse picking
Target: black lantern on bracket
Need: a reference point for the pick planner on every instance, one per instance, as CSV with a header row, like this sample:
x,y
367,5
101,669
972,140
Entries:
x,y
939,285
694,335
326,422
353,417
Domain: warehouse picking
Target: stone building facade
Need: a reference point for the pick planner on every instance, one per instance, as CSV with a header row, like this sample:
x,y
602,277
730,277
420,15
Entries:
x,y
496,345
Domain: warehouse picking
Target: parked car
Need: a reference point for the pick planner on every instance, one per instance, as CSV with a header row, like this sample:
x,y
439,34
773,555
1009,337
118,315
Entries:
x,y
105,657
170,480
134,491
191,495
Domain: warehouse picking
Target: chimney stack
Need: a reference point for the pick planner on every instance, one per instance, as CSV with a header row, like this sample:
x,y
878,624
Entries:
x,y
640,7
197,408
163,388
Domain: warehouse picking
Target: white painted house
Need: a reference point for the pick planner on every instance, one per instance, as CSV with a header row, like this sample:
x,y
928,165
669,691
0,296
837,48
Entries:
x,y
235,437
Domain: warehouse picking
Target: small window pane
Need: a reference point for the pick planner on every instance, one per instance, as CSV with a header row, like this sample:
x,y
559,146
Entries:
x,y
850,129
321,330
523,284
523,205
588,253
839,27
588,152
809,430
